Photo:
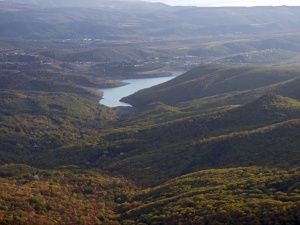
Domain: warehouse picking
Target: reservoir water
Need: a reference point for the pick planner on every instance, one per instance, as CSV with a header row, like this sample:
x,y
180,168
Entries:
x,y
112,96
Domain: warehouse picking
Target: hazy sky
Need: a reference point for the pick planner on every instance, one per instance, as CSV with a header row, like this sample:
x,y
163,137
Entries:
x,y
230,2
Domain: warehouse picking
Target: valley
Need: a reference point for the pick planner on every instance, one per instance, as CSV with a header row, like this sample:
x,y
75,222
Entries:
x,y
217,144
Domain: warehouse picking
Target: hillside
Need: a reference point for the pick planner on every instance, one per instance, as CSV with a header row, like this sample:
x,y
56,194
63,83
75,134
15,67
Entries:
x,y
117,54
229,140
55,80
230,196
67,195
217,145
34,123
213,80
70,195
166,154
218,131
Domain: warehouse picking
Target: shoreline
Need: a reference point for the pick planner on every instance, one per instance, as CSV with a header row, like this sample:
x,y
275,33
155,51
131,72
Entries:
x,y
115,95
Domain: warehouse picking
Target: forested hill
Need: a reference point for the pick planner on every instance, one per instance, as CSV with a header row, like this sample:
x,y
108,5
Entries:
x,y
214,80
222,117
219,144
70,195
216,145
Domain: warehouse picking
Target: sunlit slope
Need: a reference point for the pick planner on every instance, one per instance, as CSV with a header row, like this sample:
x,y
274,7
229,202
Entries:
x,y
211,80
252,195
259,51
67,195
72,195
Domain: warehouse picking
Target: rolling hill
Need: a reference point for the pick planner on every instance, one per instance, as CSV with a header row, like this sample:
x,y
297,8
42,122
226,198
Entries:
x,y
212,80
71,195
218,144
34,123
226,149
237,196
163,142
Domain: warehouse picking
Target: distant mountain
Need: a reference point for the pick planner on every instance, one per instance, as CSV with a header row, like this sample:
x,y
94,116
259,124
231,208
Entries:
x,y
69,3
68,18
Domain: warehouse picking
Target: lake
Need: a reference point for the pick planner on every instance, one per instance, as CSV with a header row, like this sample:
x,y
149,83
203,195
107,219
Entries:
x,y
112,96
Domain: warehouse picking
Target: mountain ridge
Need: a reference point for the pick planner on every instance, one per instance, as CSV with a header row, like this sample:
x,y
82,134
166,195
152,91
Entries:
x,y
197,21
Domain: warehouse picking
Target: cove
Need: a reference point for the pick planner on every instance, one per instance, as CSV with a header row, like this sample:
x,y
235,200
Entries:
x,y
112,96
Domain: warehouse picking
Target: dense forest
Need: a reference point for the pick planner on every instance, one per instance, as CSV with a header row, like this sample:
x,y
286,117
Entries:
x,y
219,144
70,195
229,156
